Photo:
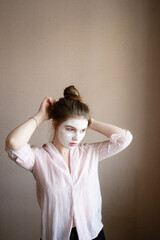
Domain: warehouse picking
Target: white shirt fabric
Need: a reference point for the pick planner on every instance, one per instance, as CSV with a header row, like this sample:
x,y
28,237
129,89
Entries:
x,y
61,194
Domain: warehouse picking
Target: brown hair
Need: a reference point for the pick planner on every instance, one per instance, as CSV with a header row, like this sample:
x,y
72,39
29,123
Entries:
x,y
71,105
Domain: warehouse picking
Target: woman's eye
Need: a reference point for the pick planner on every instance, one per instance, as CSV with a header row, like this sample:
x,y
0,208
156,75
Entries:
x,y
83,130
70,129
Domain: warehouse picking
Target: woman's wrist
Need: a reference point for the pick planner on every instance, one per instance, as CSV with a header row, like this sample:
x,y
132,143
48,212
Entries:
x,y
38,118
91,126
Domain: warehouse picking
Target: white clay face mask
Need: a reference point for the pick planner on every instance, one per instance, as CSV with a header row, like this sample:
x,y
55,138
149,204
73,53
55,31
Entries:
x,y
72,131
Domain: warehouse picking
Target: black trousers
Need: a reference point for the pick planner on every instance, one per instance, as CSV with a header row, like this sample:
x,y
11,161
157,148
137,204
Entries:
x,y
74,235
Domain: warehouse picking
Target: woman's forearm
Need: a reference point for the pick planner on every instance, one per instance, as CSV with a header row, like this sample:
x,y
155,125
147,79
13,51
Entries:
x,y
105,128
20,136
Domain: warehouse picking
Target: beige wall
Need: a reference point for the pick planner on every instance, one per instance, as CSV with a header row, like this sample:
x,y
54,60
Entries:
x,y
109,49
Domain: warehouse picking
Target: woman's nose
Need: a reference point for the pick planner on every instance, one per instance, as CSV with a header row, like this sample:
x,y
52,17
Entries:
x,y
75,137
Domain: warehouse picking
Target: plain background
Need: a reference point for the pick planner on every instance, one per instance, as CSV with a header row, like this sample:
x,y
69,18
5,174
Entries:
x,y
110,51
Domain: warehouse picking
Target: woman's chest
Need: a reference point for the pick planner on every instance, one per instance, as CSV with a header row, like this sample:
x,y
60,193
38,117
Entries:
x,y
66,160
51,172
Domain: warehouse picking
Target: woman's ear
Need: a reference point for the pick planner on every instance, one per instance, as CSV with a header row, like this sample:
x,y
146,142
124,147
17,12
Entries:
x,y
54,124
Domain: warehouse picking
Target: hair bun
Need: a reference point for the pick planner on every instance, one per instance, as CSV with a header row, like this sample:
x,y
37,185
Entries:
x,y
72,92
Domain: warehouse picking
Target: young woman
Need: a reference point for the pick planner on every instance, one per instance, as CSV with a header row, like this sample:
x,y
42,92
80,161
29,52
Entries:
x,y
66,173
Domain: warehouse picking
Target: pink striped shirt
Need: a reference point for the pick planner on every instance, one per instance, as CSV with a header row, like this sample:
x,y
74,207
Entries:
x,y
61,194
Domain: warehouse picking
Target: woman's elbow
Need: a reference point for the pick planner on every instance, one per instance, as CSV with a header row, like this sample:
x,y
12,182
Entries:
x,y
10,143
128,138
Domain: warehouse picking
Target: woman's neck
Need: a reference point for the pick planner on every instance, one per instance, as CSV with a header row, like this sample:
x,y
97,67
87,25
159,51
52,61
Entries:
x,y
62,150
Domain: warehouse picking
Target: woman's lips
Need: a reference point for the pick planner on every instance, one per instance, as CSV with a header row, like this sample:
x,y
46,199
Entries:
x,y
73,144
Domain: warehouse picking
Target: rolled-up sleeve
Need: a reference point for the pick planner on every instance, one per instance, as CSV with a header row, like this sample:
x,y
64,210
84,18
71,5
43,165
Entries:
x,y
114,145
24,157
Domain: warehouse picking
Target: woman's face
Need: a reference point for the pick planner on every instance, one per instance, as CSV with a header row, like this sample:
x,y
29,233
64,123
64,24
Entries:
x,y
71,132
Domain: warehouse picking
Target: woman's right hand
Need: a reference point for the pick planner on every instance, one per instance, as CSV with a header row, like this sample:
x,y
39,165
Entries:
x,y
45,107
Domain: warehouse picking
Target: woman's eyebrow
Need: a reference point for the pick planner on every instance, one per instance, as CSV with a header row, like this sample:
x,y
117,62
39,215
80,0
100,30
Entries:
x,y
70,126
74,127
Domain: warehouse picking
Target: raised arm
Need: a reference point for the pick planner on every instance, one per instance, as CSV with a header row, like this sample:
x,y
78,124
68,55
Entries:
x,y
105,128
118,140
20,136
